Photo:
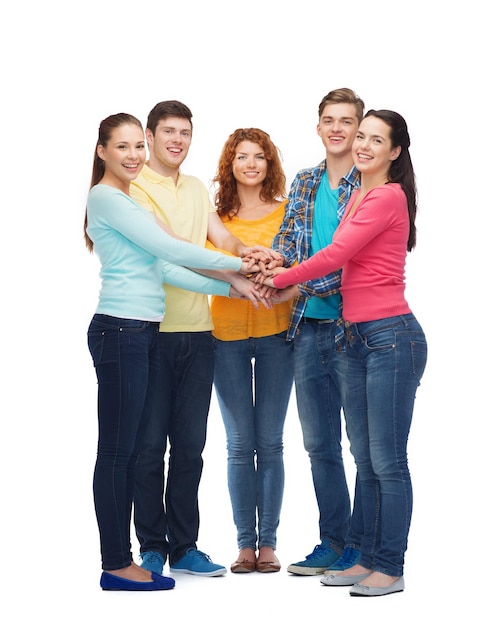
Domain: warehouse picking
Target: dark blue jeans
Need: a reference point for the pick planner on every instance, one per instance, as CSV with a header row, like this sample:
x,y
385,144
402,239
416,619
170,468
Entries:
x,y
166,512
385,361
124,353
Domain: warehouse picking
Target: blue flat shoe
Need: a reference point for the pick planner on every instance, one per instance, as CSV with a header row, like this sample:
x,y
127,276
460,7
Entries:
x,y
109,582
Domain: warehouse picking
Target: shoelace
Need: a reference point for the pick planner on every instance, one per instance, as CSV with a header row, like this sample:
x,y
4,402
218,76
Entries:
x,y
318,551
201,554
152,558
347,558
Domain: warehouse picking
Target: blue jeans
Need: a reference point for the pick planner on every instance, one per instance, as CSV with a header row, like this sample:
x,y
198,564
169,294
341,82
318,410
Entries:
x,y
319,377
124,353
385,362
166,512
253,383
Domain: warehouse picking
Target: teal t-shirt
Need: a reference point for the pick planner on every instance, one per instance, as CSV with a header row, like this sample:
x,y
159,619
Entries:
x,y
325,221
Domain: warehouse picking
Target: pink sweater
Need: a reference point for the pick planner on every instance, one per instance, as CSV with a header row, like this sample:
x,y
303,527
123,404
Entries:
x,y
371,248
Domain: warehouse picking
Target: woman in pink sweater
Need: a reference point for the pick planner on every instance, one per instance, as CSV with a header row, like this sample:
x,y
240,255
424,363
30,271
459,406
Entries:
x,y
386,347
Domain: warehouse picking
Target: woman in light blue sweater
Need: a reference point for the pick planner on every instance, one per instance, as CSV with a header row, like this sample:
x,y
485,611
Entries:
x,y
136,257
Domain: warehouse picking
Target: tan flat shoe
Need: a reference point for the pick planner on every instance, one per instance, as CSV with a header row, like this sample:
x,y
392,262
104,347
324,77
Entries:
x,y
266,567
243,567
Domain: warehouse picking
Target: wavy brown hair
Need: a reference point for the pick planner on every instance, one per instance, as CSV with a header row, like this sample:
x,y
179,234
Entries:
x,y
274,185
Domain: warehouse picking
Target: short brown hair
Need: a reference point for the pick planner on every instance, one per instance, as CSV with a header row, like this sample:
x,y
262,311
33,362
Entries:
x,y
168,108
343,96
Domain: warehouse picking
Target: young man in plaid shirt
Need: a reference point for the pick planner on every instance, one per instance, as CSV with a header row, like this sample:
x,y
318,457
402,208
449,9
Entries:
x,y
316,203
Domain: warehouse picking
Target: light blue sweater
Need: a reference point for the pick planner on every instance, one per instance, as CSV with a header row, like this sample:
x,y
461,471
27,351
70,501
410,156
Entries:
x,y
137,256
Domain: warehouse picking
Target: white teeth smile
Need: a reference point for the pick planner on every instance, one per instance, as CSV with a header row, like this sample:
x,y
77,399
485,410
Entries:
x,y
364,156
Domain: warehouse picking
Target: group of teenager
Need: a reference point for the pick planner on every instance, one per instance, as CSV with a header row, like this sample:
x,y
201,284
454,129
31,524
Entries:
x,y
307,289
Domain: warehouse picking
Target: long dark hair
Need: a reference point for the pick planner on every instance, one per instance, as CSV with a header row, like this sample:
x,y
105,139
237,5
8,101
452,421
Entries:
x,y
107,126
401,170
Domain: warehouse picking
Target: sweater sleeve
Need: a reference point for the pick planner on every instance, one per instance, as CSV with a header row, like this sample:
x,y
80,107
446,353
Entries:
x,y
184,278
115,209
373,215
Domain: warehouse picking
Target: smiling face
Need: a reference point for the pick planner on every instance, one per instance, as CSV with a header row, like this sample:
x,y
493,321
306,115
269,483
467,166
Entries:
x,y
249,165
337,128
123,155
373,151
169,145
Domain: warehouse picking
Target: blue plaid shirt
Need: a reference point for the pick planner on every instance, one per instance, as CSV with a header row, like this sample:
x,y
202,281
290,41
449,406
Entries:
x,y
294,238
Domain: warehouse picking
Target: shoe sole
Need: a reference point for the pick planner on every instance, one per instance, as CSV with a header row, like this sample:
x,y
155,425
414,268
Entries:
x,y
378,594
305,571
218,572
362,591
241,569
342,581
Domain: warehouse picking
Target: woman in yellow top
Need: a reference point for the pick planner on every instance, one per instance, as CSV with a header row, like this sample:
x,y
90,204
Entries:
x,y
253,361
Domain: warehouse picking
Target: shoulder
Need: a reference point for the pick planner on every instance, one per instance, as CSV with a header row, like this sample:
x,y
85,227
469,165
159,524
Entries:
x,y
192,181
389,198
312,172
105,193
390,191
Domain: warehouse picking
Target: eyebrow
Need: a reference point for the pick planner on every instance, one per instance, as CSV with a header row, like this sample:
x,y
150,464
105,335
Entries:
x,y
182,130
331,117
372,136
127,143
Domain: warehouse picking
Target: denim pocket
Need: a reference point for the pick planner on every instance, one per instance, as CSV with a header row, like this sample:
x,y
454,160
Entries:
x,y
383,339
95,341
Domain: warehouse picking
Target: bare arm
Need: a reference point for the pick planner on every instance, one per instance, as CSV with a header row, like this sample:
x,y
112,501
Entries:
x,y
223,239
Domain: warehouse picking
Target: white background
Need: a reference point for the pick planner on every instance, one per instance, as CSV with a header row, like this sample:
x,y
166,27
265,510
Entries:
x,y
65,67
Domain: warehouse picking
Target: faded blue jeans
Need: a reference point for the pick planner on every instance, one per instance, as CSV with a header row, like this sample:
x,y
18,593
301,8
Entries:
x,y
319,378
253,383
385,361
125,357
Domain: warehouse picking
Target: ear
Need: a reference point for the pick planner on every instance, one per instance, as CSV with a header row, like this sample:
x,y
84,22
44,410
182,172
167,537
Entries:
x,y
100,151
395,153
150,137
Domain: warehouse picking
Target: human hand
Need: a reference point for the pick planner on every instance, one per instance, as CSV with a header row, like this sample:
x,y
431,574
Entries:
x,y
284,295
265,277
249,266
244,288
260,253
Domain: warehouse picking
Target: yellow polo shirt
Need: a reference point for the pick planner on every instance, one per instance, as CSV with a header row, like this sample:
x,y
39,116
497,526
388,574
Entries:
x,y
185,207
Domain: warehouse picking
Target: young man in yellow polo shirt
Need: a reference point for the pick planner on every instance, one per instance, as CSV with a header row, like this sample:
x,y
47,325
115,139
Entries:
x,y
166,512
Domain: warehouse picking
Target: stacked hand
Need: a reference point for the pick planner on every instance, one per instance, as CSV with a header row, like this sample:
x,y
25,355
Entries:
x,y
260,266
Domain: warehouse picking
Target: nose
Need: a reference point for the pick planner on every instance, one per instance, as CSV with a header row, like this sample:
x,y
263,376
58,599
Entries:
x,y
134,153
177,137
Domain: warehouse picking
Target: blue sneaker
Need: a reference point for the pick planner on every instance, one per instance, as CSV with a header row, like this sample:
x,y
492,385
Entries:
x,y
348,558
152,561
315,563
197,563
